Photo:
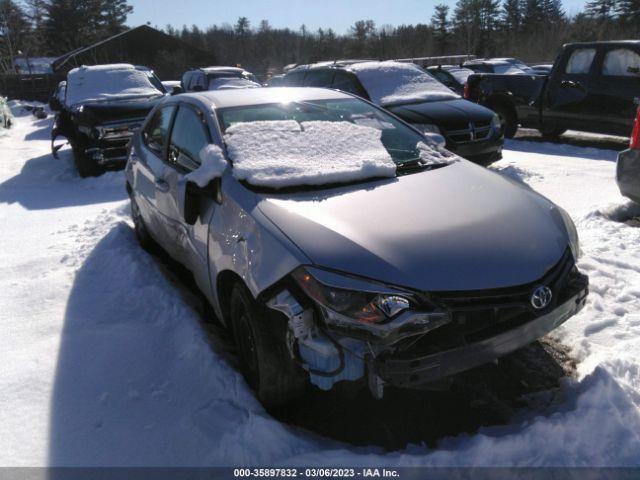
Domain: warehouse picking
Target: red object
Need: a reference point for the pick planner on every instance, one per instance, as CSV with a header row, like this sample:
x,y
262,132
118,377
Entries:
x,y
466,92
634,144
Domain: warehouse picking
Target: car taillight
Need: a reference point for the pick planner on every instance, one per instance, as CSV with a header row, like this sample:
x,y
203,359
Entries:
x,y
466,92
635,134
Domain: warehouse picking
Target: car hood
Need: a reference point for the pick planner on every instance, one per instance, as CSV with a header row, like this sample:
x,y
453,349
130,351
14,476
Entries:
x,y
461,227
97,112
449,114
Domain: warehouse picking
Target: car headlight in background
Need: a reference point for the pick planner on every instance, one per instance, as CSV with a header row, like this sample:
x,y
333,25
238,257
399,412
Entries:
x,y
495,123
574,242
427,128
350,305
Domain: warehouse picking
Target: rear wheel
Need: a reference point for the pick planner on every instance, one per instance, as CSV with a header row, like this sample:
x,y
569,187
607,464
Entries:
x,y
142,234
261,345
508,120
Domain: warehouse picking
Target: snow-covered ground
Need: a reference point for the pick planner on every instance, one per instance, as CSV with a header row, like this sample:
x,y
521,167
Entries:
x,y
103,359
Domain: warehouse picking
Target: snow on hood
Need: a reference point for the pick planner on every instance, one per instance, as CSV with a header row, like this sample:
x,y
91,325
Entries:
x,y
280,154
103,82
391,83
226,83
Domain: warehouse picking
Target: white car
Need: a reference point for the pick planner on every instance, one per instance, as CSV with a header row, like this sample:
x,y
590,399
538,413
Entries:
x,y
338,244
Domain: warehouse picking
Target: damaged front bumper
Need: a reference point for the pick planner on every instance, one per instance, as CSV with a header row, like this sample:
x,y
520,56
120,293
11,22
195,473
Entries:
x,y
419,370
416,347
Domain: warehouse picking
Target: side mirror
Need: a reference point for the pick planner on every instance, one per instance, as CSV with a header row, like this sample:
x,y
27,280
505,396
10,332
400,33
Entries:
x,y
190,198
177,90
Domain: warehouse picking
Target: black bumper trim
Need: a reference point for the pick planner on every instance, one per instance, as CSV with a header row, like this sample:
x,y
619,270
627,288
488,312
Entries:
x,y
412,372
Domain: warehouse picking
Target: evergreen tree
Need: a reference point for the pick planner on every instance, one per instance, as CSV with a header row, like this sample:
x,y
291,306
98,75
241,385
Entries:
x,y
440,23
14,33
601,9
114,16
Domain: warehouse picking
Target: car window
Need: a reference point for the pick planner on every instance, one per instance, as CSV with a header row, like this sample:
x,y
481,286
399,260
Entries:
x,y
346,83
198,80
185,80
580,61
319,78
293,79
441,76
188,138
621,62
156,132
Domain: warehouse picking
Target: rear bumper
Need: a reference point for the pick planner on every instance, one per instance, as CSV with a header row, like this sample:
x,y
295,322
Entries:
x,y
416,371
628,174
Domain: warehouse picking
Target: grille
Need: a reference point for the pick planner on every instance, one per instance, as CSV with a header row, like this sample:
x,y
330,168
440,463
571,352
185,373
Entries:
x,y
473,133
481,314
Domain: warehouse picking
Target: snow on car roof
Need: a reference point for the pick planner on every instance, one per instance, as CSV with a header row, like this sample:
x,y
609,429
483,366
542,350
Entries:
x,y
225,83
231,70
389,83
285,153
102,82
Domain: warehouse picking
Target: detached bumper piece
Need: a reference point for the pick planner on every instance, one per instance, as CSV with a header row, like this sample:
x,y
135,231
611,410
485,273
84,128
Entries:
x,y
485,326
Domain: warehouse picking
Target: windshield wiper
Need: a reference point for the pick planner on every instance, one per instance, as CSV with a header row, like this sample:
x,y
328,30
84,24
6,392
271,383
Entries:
x,y
418,165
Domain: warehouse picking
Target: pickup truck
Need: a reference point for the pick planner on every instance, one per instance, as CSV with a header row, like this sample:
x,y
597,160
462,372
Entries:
x,y
98,109
592,87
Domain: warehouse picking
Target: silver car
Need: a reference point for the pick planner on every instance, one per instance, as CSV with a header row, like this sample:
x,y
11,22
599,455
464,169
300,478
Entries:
x,y
396,281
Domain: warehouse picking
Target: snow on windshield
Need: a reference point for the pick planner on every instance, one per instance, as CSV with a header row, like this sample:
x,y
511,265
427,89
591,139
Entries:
x,y
286,153
103,82
225,83
393,82
461,75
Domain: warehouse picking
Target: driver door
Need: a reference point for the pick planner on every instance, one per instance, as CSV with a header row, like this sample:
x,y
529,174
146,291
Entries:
x,y
189,135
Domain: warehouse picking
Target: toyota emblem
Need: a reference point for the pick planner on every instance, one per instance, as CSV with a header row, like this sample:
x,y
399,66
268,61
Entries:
x,y
541,297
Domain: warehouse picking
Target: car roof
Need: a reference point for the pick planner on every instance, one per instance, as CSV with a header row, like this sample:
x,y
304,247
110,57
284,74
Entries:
x,y
604,42
222,70
258,96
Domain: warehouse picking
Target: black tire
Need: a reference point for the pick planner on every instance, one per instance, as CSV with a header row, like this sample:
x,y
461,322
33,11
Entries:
x,y
508,120
86,167
552,133
142,234
261,345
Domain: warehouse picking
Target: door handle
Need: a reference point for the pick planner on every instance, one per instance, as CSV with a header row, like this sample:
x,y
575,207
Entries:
x,y
570,84
162,185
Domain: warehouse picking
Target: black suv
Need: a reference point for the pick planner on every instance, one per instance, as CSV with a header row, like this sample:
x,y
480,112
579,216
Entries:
x,y
216,78
99,108
469,131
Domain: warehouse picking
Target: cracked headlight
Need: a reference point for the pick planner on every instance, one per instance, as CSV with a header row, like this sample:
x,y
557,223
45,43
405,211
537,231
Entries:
x,y
427,128
349,303
574,242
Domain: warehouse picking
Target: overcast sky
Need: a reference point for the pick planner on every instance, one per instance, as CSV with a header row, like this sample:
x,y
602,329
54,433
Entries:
x,y
339,15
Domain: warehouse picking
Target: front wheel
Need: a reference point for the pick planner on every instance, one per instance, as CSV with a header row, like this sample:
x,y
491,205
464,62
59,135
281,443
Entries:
x,y
508,120
261,346
85,165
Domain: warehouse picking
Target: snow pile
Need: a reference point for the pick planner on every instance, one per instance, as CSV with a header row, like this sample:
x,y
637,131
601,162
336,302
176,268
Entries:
x,y
102,82
389,83
226,83
281,154
211,167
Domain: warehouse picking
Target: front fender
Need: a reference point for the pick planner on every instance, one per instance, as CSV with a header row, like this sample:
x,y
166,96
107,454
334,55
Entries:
x,y
245,242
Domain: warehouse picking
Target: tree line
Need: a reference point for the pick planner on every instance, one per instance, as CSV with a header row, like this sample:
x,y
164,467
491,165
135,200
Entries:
x,y
529,29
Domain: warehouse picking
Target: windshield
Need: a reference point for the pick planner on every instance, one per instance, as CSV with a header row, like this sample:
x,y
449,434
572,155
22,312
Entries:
x,y
394,83
105,82
320,142
400,141
461,74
